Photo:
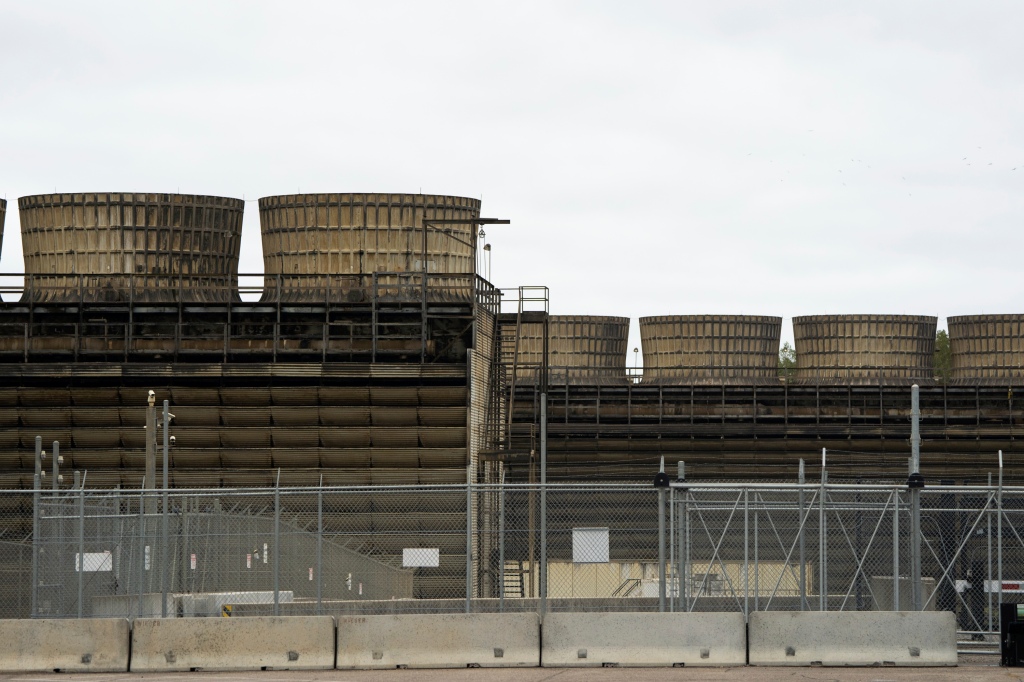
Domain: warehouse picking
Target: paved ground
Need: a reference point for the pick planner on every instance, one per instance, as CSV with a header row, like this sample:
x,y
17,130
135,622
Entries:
x,y
747,674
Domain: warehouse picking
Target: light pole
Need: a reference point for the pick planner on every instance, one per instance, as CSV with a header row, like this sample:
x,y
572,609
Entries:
x,y
428,224
432,223
150,480
481,237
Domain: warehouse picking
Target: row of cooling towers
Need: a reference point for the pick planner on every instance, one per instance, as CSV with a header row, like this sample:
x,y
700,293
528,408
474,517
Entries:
x,y
177,247
744,349
180,247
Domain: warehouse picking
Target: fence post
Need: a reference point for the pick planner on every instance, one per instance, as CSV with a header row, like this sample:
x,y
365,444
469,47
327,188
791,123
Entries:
x,y
800,521
661,546
896,551
543,504
36,499
746,552
81,550
673,522
277,545
999,531
681,518
320,545
822,550
469,536
142,543
988,540
55,464
757,567
915,482
165,540
501,544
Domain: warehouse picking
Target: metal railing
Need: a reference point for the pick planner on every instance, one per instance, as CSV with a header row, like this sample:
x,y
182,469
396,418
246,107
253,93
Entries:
x,y
150,288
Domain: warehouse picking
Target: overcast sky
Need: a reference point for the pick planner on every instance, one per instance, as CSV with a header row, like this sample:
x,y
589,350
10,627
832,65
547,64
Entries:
x,y
777,158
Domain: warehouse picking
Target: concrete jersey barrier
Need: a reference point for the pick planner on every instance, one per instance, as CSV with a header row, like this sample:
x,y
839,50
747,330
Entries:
x,y
454,640
902,638
643,639
257,643
96,645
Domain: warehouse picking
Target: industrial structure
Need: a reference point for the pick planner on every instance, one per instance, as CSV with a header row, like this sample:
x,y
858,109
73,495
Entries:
x,y
320,247
711,349
111,247
352,367
373,353
986,350
579,349
891,350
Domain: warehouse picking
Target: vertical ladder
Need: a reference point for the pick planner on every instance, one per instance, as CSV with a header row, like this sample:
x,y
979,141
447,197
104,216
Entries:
x,y
504,350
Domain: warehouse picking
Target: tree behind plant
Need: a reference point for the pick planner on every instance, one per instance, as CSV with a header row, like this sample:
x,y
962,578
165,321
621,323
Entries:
x,y
943,358
787,361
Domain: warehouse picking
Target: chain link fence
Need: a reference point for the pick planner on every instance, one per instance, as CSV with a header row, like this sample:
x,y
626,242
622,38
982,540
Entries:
x,y
487,548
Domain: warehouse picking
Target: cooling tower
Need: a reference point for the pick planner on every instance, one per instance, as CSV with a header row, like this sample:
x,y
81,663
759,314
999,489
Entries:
x,y
582,349
987,349
864,349
326,246
711,349
130,247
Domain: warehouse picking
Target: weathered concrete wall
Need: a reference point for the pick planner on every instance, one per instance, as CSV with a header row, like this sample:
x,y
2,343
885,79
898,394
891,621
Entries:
x,y
643,639
267,643
91,645
456,640
904,638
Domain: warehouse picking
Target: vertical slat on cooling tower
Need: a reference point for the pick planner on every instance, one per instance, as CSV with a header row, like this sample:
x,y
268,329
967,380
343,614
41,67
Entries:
x,y
711,349
319,245
582,350
864,349
123,246
986,349
3,214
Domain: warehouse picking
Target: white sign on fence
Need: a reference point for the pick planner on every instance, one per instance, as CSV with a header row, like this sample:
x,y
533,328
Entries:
x,y
420,557
1009,586
94,561
590,545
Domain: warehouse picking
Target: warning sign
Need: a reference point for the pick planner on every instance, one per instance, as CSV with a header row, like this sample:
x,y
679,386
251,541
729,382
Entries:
x,y
225,611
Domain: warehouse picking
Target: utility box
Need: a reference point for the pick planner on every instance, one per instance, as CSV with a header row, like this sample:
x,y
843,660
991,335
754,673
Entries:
x,y
1011,634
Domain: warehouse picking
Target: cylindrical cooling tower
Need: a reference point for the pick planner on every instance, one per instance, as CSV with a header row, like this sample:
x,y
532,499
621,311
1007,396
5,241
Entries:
x,y
864,349
987,349
582,349
319,247
711,349
130,247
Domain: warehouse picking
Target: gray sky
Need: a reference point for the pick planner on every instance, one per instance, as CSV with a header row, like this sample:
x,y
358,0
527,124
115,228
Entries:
x,y
778,158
